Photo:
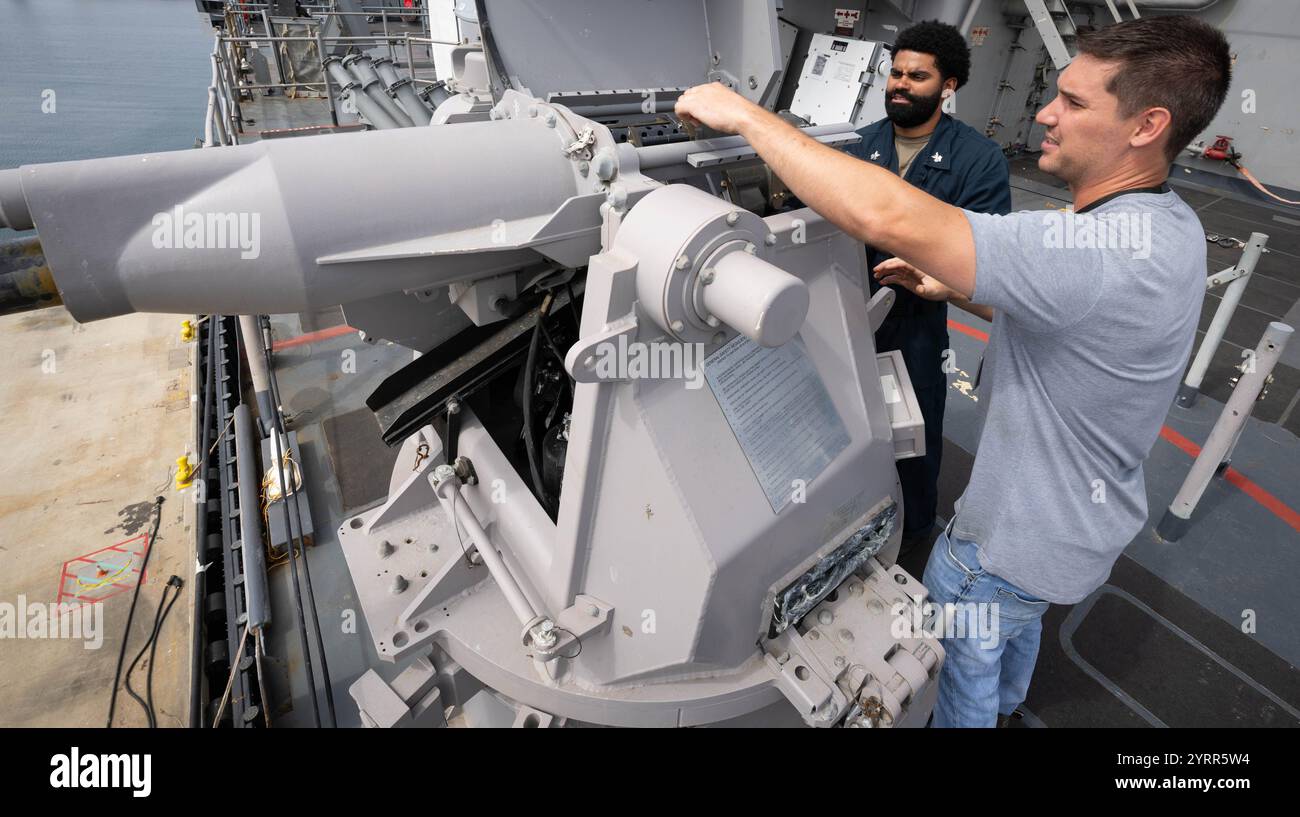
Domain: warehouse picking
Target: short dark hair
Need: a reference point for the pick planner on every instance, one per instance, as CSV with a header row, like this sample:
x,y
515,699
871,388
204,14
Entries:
x,y
941,41
1178,62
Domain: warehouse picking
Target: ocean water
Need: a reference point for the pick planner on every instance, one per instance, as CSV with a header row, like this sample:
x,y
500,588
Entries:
x,y
126,76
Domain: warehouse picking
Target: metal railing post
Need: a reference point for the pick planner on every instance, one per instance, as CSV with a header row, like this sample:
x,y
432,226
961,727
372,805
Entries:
x,y
1191,388
325,75
1226,432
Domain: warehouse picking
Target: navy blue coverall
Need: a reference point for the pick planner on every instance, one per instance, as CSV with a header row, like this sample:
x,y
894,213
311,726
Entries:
x,y
966,169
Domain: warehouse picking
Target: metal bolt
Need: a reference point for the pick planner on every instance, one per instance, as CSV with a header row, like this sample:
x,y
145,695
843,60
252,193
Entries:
x,y
443,473
783,658
677,326
584,168
825,617
605,166
750,248
593,611
713,322
753,83
399,585
846,634
770,240
856,588
385,549
706,277
550,119
453,406
732,218
900,578
589,361
683,261
813,635
839,661
544,634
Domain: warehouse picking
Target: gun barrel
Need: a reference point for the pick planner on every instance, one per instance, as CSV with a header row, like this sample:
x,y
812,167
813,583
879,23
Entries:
x,y
288,225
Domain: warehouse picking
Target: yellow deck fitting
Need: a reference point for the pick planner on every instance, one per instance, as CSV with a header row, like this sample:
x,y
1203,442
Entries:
x,y
184,472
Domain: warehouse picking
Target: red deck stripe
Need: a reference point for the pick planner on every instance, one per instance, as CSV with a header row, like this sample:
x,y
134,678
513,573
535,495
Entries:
x,y
312,337
982,337
1251,489
1276,506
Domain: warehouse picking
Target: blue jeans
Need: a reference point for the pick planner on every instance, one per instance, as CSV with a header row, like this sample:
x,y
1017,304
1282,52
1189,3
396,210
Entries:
x,y
993,643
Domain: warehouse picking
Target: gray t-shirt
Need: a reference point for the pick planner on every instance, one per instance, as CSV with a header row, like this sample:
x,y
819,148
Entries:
x,y
1094,319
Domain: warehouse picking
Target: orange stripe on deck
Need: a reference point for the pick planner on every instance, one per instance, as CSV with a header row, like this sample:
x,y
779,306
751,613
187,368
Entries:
x,y
312,337
982,337
1275,506
1251,489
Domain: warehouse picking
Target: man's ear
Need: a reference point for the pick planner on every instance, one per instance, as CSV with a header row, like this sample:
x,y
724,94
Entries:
x,y
949,87
1152,124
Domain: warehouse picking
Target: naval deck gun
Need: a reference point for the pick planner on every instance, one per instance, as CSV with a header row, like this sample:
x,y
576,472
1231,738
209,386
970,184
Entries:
x,y
708,533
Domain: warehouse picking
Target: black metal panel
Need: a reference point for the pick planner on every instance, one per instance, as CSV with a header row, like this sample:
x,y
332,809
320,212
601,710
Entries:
x,y
412,396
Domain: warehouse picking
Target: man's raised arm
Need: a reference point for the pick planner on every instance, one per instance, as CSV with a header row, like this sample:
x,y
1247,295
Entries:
x,y
863,200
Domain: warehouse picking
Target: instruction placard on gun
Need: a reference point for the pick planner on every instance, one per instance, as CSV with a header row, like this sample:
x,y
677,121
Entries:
x,y
780,412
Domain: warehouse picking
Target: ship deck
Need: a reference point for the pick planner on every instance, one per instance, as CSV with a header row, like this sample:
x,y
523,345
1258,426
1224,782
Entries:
x,y
1202,632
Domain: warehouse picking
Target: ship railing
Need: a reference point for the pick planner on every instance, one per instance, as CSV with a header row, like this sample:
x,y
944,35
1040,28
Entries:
x,y
224,121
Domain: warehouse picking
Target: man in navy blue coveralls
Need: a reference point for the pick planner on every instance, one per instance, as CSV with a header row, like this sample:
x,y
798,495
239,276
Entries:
x,y
952,162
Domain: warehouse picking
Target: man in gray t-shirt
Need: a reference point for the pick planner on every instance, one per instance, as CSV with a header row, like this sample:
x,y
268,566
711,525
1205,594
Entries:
x,y
1085,355
1094,314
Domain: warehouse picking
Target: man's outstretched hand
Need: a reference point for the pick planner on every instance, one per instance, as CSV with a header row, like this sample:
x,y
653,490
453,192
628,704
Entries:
x,y
897,271
716,106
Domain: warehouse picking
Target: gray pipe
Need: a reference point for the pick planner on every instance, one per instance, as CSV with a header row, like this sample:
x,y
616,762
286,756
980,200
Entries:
x,y
250,330
364,71
404,90
436,94
250,521
13,204
374,114
673,153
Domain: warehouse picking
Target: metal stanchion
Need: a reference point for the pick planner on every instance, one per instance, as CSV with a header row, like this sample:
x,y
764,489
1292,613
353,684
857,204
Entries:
x,y
1239,277
1227,430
